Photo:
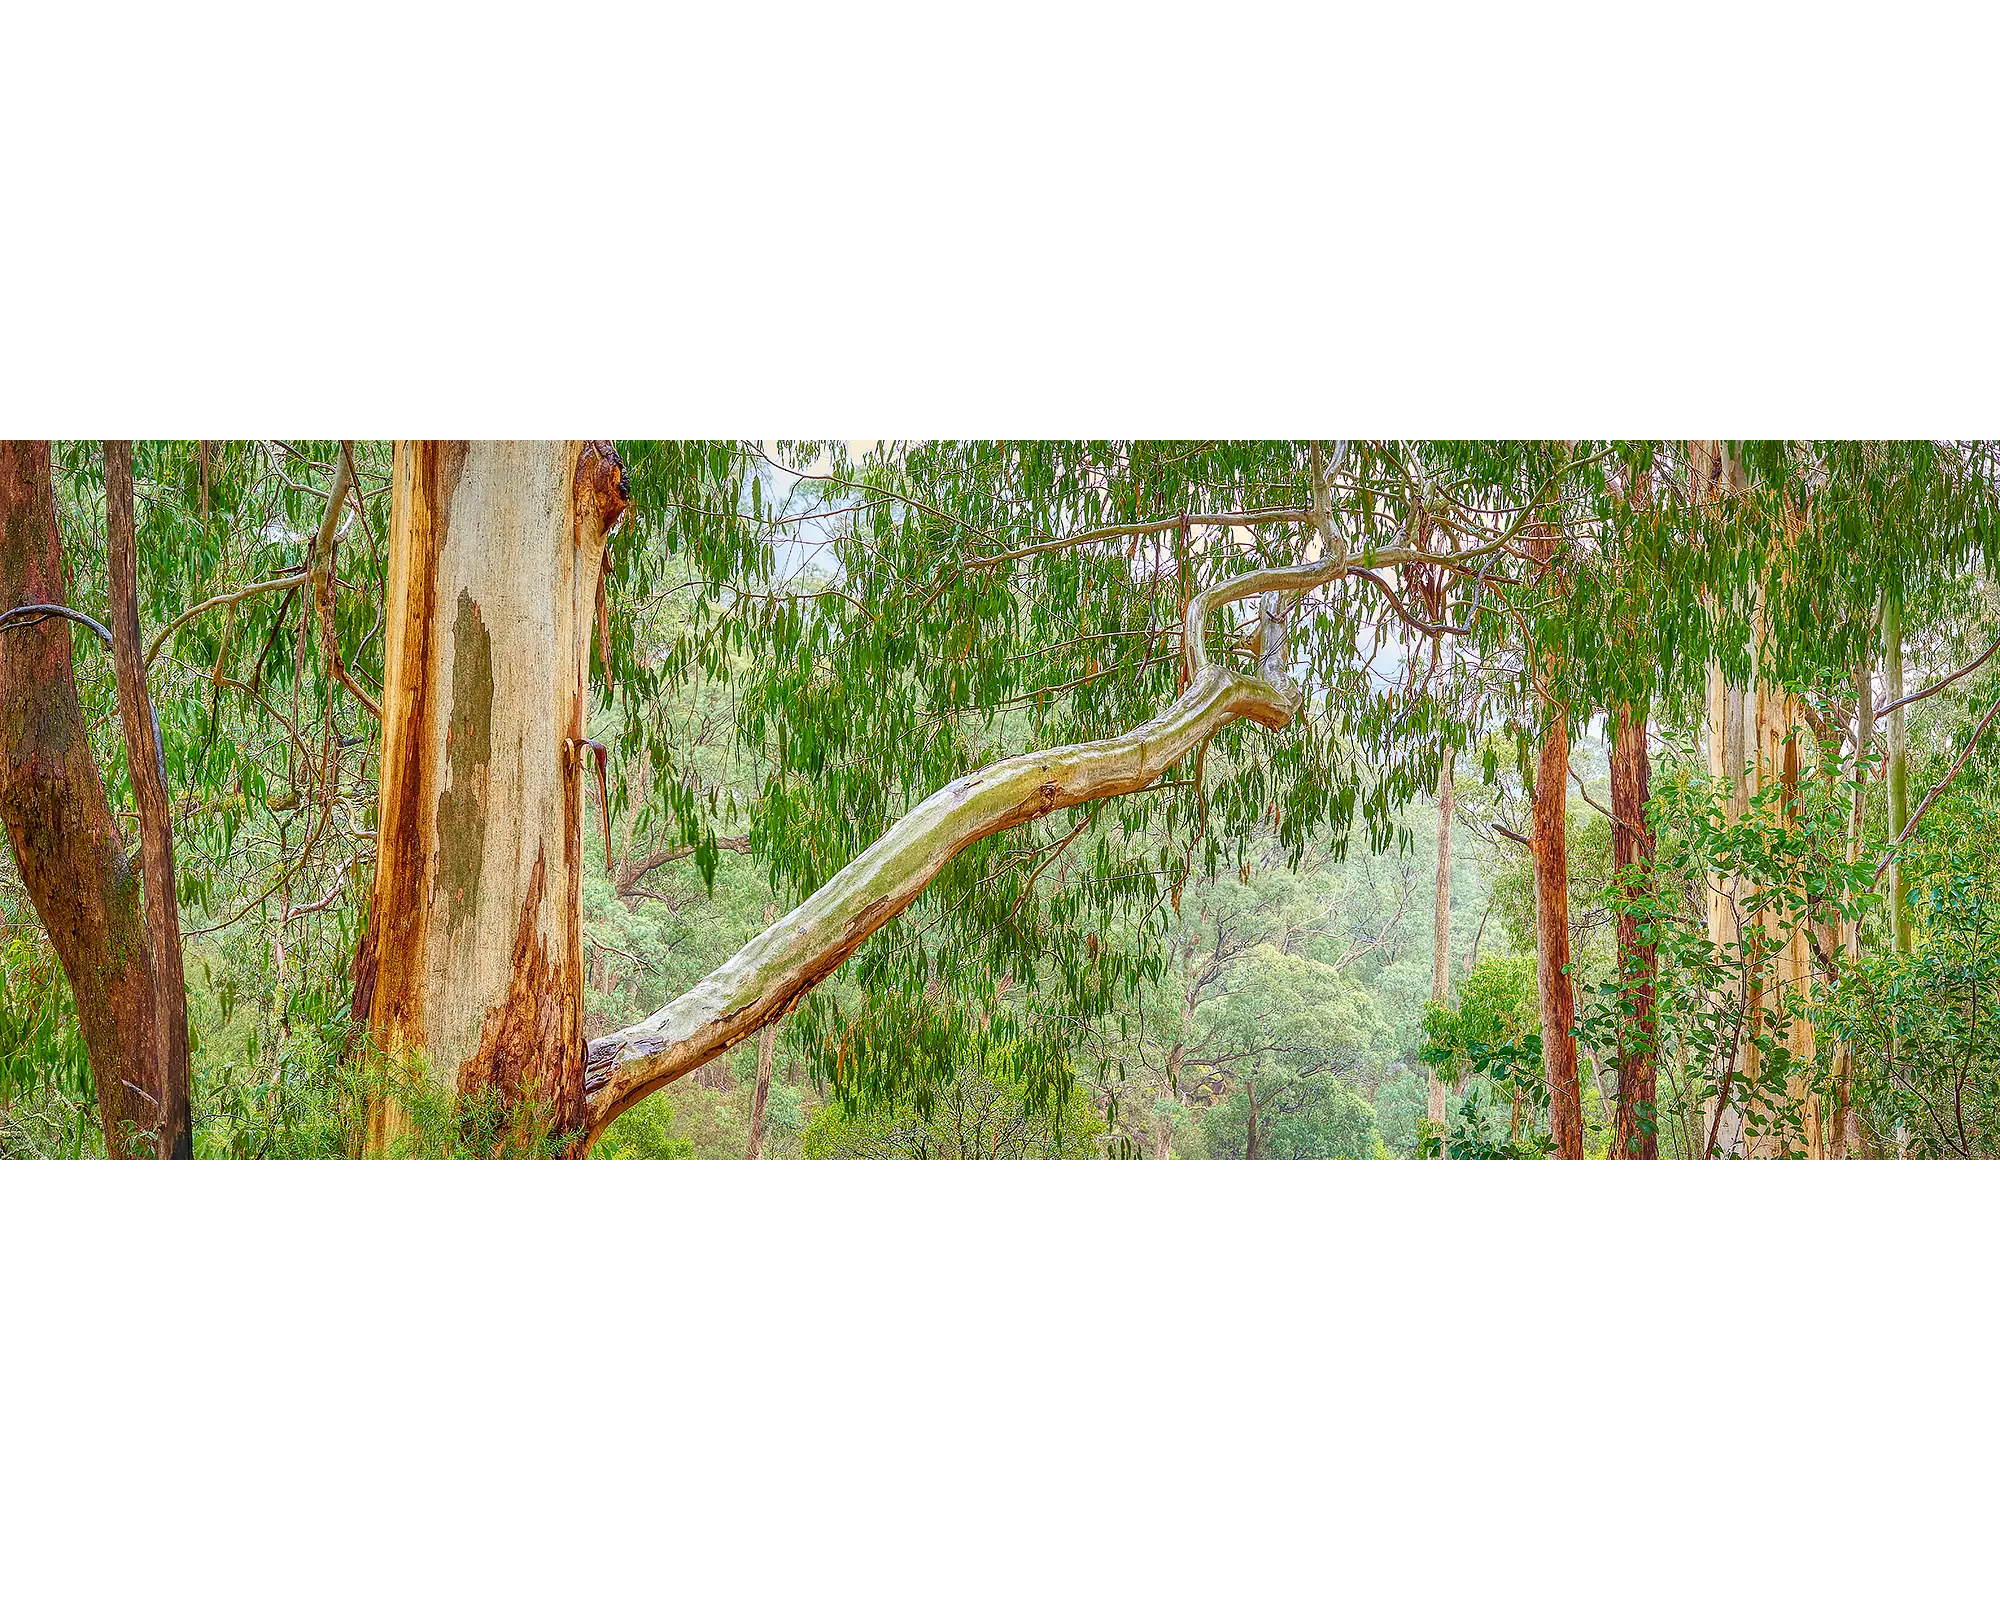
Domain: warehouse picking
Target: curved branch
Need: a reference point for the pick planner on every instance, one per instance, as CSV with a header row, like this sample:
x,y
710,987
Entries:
x,y
764,979
270,586
1973,665
41,611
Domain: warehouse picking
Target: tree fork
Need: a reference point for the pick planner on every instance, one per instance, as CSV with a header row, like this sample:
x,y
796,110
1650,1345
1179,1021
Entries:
x,y
65,840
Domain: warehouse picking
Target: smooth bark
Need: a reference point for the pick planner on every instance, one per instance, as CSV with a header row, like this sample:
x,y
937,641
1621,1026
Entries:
x,y
1635,1132
1899,764
66,843
768,975
1552,952
472,971
146,764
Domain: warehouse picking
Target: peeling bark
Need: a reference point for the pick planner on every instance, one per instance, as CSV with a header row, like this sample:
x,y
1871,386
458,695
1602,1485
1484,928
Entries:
x,y
474,963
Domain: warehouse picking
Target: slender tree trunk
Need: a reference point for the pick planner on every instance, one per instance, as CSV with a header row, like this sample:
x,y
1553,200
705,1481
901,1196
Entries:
x,y
1635,1135
65,840
1441,931
147,765
1717,473
1558,998
767,1044
767,1039
472,972
1899,763
1250,1150
1847,1117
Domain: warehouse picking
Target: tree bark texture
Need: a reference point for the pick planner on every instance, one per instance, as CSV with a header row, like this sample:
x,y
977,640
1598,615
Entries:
x,y
65,840
1558,996
472,972
1635,1133
147,765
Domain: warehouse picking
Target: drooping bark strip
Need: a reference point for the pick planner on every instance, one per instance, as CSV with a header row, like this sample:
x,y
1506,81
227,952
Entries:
x,y
1635,1134
472,972
1441,930
147,766
763,979
65,840
1552,955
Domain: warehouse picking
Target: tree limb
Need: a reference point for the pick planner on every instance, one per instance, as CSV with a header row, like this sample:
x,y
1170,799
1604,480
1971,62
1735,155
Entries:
x,y
321,566
769,974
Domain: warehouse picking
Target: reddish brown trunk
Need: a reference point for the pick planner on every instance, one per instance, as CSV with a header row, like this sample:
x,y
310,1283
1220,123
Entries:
x,y
65,841
1636,1136
149,789
1552,941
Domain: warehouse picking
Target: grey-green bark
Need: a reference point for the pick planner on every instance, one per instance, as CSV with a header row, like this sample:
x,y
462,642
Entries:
x,y
764,979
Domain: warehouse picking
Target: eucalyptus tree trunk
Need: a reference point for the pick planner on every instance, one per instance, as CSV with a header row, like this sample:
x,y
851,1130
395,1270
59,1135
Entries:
x,y
1899,762
1716,473
767,1040
1635,1134
472,972
66,842
1780,731
147,768
1552,953
1846,1141
1441,931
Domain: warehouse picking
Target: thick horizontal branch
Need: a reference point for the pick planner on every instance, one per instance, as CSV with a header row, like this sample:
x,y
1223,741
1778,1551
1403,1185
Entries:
x,y
764,979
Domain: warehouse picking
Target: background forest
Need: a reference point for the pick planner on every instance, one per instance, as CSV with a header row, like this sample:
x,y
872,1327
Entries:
x,y
1640,799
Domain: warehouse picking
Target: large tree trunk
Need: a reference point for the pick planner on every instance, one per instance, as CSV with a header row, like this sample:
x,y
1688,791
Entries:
x,y
472,977
1441,932
1558,997
1635,1135
65,840
147,766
